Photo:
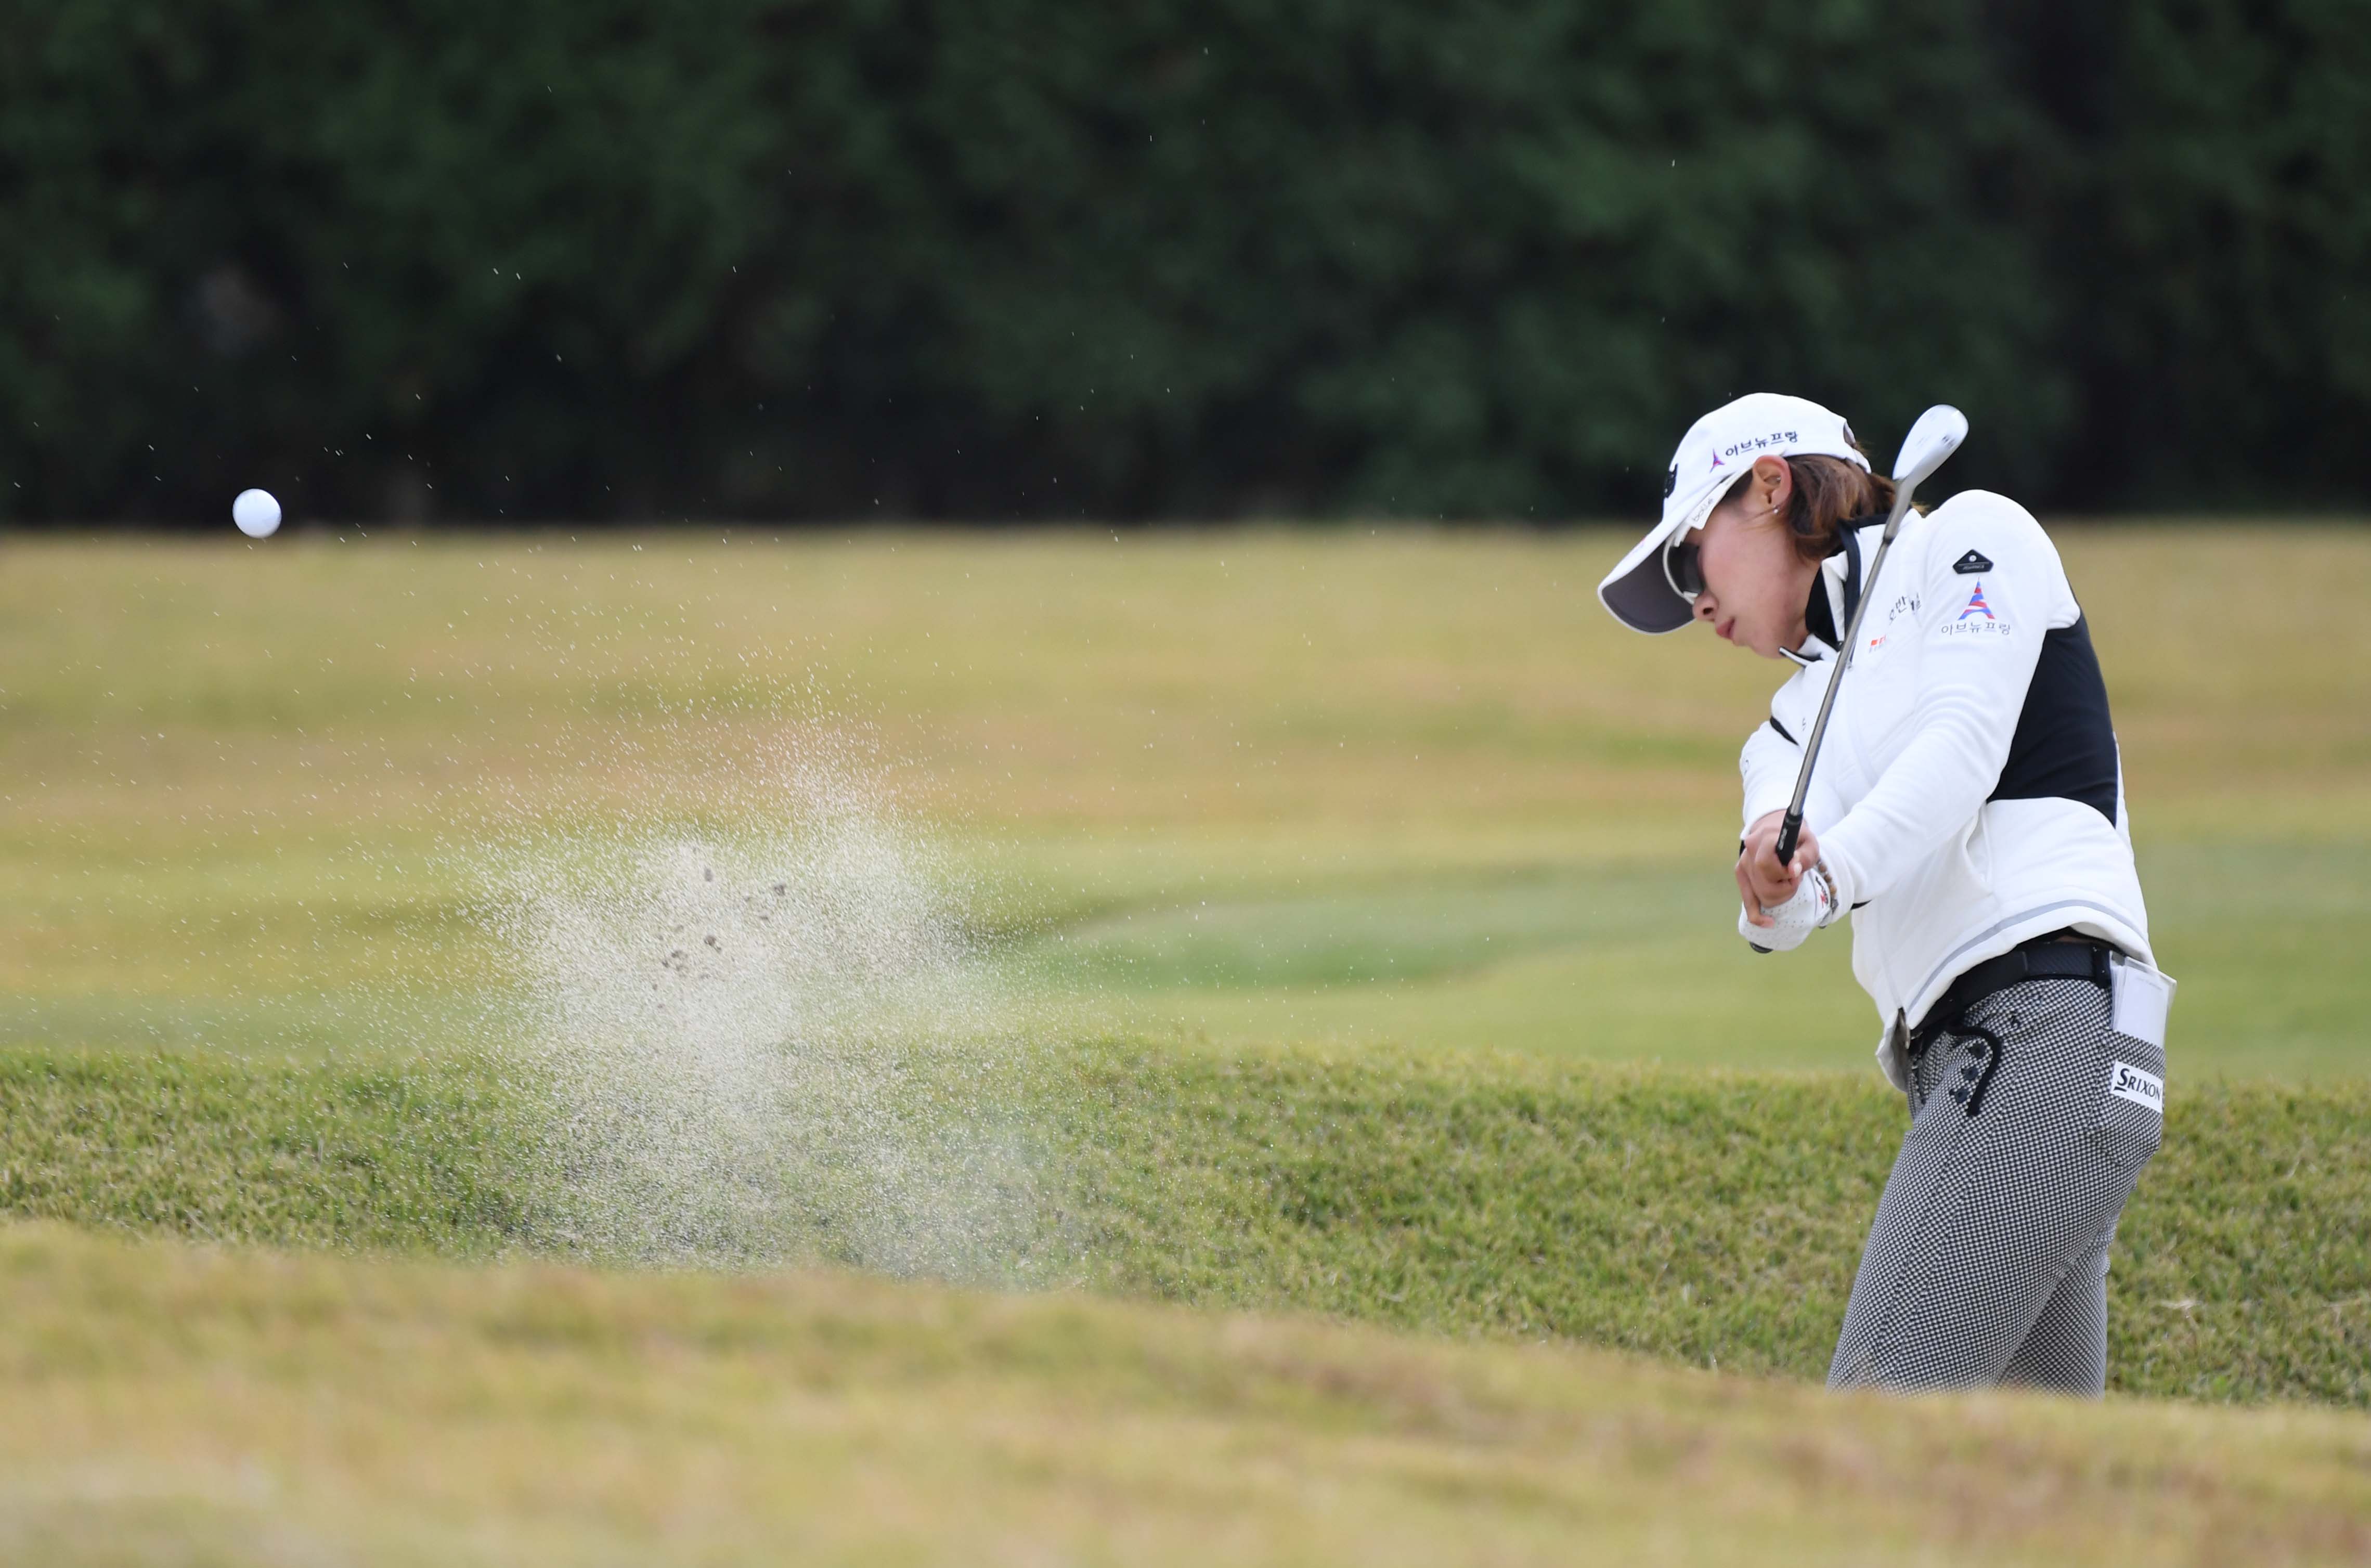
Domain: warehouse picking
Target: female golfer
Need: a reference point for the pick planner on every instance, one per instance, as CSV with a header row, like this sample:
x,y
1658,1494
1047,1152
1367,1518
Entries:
x,y
1967,812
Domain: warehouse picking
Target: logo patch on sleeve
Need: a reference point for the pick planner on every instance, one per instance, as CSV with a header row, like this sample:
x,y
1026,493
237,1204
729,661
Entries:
x,y
2128,1082
1970,564
1976,605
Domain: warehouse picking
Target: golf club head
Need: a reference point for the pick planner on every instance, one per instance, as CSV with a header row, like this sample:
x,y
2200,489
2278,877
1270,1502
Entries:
x,y
1936,436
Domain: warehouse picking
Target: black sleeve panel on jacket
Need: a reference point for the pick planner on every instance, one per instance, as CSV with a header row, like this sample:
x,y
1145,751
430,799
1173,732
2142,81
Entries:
x,y
2064,747
1782,731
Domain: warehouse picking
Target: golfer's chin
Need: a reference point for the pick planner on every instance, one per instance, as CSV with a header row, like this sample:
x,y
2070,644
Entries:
x,y
1756,641
1738,634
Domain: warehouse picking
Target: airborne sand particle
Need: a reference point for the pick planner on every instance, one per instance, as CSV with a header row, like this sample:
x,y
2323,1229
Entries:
x,y
822,1086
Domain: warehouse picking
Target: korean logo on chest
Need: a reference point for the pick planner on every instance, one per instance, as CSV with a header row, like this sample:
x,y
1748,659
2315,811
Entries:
x,y
1876,702
1878,638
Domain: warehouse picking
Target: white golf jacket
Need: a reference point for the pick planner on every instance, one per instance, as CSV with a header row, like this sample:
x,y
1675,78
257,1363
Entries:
x,y
1969,794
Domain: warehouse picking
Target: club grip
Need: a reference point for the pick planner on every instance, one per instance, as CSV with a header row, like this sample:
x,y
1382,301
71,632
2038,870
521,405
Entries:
x,y
1790,828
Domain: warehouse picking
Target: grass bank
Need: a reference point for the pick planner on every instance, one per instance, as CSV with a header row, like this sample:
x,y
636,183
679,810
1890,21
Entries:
x,y
184,1405
1708,1218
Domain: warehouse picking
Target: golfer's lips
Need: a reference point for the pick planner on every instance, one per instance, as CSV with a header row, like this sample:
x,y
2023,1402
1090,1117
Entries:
x,y
1722,630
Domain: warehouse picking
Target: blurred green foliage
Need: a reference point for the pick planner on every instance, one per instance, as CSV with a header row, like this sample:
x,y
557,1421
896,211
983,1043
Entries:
x,y
1016,258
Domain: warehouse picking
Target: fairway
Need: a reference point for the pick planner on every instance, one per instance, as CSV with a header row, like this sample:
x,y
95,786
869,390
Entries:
x,y
1251,787
1334,924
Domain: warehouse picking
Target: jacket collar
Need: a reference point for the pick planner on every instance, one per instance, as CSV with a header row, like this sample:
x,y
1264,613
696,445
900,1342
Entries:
x,y
1835,594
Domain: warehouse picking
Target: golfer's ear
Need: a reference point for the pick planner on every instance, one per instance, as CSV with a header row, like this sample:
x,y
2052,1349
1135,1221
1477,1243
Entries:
x,y
1773,481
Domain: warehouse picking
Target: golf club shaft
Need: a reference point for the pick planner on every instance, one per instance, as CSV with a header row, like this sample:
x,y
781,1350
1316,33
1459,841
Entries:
x,y
1790,830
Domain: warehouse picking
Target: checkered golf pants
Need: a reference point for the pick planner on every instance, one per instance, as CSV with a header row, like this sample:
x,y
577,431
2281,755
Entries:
x,y
1988,1259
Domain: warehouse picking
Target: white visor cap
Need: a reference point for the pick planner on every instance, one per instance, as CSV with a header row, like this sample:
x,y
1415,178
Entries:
x,y
1718,451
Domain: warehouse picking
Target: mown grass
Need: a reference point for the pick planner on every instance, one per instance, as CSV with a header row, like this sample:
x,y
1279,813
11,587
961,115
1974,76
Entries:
x,y
1713,1218
184,1405
435,1157
1327,872
1263,785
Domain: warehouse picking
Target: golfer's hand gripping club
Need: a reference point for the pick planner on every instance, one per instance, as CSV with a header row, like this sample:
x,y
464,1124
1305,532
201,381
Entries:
x,y
1788,923
1934,437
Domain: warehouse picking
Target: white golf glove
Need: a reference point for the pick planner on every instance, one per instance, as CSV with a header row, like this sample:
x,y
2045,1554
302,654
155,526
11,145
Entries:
x,y
1813,906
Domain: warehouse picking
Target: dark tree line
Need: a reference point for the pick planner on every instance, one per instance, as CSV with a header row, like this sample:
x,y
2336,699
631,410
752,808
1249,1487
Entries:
x,y
1022,258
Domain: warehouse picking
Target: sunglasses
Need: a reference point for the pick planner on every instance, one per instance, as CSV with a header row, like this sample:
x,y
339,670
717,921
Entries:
x,y
1684,567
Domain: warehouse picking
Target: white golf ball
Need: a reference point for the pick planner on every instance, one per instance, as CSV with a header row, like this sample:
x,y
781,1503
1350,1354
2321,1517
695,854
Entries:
x,y
256,512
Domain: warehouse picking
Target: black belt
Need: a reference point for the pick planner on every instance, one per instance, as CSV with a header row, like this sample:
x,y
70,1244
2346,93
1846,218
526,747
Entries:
x,y
2049,957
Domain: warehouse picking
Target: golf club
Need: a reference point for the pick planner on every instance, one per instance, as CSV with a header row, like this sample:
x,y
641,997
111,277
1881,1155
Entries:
x,y
1934,437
